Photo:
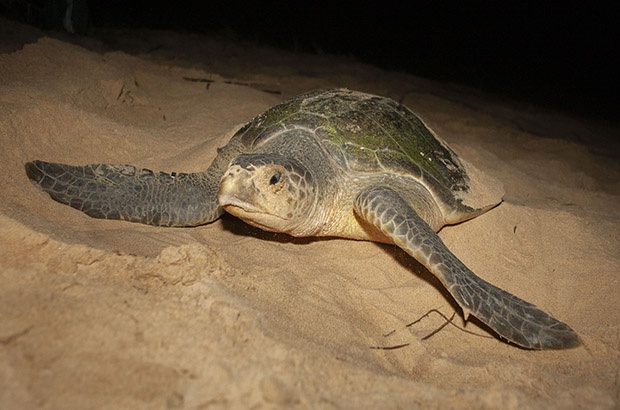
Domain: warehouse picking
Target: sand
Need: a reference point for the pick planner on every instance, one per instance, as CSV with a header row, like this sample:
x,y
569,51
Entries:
x,y
106,314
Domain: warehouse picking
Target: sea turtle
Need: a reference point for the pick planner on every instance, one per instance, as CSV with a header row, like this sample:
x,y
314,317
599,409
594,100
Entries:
x,y
330,162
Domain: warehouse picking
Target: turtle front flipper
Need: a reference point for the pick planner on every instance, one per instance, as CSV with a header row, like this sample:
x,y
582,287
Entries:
x,y
127,193
512,318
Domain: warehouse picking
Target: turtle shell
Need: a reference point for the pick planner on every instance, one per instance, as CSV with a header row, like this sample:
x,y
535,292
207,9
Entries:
x,y
368,133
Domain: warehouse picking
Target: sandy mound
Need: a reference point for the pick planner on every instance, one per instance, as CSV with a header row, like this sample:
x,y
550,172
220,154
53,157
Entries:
x,y
106,314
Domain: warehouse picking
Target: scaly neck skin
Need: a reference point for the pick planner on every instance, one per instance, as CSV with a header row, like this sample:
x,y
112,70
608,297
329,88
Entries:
x,y
320,213
333,214
328,210
336,217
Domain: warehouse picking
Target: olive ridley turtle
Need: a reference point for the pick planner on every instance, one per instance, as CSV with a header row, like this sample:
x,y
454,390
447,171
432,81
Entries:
x,y
333,163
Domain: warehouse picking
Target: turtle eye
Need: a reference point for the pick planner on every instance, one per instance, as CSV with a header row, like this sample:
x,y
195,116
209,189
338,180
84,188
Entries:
x,y
275,178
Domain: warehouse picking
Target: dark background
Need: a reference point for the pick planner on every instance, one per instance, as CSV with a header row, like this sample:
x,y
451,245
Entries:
x,y
559,55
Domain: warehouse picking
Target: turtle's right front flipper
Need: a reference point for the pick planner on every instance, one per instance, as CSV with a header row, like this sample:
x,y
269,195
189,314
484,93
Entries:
x,y
127,193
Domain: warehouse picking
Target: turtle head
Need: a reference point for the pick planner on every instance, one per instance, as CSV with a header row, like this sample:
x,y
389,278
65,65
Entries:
x,y
269,191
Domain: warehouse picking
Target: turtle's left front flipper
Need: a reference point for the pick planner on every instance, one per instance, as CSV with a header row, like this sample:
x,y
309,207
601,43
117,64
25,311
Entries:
x,y
512,318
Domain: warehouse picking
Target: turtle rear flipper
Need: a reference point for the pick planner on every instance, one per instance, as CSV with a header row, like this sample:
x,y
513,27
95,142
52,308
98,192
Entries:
x,y
128,193
512,318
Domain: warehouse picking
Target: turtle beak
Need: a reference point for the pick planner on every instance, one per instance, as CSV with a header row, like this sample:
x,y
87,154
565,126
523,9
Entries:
x,y
237,191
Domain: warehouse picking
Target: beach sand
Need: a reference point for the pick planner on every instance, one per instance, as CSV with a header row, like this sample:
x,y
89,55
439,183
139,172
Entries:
x,y
108,314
